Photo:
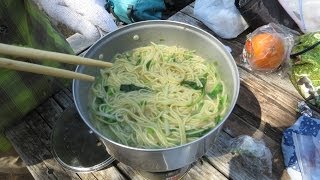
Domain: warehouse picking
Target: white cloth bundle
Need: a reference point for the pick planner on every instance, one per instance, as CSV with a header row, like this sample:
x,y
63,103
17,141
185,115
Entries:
x,y
87,17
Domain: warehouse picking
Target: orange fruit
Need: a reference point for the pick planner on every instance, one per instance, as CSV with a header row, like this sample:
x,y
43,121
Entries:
x,y
265,51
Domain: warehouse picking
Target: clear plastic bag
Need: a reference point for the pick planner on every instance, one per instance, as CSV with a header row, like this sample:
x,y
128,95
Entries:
x,y
308,154
301,147
305,13
254,153
221,16
267,47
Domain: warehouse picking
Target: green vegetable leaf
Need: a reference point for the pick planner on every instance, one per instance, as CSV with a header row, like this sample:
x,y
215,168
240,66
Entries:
x,y
109,120
99,100
221,102
130,87
150,131
217,119
148,65
138,62
190,84
216,90
193,85
109,90
106,88
197,133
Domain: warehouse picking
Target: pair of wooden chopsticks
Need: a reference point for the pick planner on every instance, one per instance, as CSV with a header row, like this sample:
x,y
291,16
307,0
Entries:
x,y
46,55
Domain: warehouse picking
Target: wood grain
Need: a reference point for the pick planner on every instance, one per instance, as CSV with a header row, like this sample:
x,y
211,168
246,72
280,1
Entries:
x,y
35,155
203,170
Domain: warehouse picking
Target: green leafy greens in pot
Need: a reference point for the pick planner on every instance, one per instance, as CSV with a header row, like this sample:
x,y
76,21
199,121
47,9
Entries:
x,y
158,96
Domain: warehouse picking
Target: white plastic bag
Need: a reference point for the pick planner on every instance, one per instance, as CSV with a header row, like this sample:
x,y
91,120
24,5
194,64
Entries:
x,y
304,12
221,16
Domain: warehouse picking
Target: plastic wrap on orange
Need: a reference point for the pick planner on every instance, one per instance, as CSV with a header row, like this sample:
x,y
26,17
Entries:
x,y
267,48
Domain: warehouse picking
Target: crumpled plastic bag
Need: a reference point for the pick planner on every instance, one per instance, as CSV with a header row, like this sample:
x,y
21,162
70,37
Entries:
x,y
254,153
221,16
305,65
304,13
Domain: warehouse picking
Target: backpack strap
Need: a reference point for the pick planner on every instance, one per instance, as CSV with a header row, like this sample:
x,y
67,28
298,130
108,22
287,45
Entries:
x,y
130,14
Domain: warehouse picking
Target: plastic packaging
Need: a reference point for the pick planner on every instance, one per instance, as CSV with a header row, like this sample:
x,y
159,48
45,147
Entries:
x,y
221,16
254,153
305,13
267,47
301,148
308,154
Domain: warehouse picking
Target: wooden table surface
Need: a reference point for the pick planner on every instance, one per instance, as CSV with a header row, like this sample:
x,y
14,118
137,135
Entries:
x,y
266,106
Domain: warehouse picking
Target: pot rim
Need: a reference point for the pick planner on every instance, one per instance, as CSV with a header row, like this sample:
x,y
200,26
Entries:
x,y
184,25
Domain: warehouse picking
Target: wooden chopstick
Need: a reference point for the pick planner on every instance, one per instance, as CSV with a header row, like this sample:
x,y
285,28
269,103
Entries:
x,y
31,53
39,69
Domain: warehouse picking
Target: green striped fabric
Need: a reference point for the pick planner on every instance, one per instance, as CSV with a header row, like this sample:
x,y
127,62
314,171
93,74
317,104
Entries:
x,y
23,24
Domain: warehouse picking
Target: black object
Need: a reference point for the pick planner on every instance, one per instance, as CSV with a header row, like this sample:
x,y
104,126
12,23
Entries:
x,y
261,12
305,50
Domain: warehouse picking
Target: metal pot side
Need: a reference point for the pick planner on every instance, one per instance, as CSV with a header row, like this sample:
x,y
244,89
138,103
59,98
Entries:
x,y
172,34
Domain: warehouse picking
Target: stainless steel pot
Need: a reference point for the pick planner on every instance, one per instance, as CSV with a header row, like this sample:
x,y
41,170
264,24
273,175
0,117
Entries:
x,y
168,33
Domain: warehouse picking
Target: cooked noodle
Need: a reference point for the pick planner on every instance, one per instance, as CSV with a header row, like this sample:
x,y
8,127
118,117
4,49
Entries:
x,y
158,96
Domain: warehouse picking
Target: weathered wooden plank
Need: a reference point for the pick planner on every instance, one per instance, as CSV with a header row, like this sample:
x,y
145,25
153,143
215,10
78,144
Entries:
x,y
43,131
272,104
50,111
108,173
203,170
34,153
63,99
131,173
273,132
87,176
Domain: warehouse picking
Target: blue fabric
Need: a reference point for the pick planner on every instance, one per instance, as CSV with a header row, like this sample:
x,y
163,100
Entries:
x,y
149,10
142,9
305,126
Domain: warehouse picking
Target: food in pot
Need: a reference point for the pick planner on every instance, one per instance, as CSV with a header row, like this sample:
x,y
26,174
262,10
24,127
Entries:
x,y
157,97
